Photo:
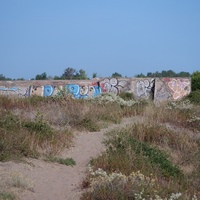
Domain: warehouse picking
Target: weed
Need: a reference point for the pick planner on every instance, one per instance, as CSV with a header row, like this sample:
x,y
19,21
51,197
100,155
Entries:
x,y
126,96
67,161
19,181
7,196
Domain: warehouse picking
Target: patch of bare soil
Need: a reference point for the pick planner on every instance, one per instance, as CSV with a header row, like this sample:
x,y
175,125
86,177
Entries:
x,y
40,180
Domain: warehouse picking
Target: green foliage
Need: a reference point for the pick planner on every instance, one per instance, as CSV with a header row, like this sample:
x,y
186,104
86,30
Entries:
x,y
89,124
194,97
3,78
69,73
7,196
146,148
141,75
164,73
13,143
126,96
81,75
67,161
116,75
19,137
195,80
42,76
94,75
156,157
57,78
39,127
73,74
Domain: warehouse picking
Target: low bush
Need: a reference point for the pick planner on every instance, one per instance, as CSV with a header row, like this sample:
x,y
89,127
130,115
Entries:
x,y
20,138
67,161
194,97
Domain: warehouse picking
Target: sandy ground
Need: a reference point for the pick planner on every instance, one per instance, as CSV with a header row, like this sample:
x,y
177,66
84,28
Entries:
x,y
53,181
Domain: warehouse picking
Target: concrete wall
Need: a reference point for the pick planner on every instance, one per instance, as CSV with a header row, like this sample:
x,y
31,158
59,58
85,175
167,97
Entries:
x,y
171,88
159,89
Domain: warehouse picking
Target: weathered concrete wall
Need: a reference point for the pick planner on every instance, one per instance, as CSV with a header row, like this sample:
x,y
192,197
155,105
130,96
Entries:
x,y
159,89
171,88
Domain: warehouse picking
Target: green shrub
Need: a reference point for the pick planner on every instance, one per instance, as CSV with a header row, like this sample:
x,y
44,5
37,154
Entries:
x,y
7,196
126,96
196,80
39,127
67,161
194,96
20,138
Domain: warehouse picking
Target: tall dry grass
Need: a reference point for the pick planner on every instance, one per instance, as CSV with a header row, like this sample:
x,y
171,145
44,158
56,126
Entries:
x,y
164,147
38,126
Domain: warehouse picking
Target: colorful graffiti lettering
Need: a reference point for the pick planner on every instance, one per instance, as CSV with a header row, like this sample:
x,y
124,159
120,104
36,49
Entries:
x,y
77,91
159,89
84,91
45,91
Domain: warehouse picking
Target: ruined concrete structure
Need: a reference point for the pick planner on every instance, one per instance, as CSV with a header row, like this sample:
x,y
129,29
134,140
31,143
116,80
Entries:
x,y
157,89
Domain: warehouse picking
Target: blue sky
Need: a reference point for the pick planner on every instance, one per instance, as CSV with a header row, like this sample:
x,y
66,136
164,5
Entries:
x,y
99,36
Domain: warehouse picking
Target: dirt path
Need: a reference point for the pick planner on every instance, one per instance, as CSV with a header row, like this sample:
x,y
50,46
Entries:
x,y
52,181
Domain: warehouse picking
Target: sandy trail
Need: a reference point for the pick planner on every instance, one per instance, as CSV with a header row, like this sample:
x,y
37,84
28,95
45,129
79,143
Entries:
x,y
53,181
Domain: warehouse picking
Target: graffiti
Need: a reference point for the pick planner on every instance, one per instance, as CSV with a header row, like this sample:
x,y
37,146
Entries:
x,y
145,88
113,85
172,88
162,93
84,91
159,89
77,91
36,91
45,91
13,91
180,87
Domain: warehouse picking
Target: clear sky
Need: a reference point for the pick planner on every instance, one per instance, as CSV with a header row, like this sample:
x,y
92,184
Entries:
x,y
99,36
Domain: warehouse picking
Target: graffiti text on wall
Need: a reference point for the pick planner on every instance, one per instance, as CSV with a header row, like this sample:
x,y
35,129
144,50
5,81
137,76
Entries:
x,y
113,85
13,91
145,88
159,89
77,91
179,87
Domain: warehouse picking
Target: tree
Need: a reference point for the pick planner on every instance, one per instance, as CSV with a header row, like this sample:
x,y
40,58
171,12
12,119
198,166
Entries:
x,y
42,76
2,77
94,75
69,73
184,74
149,74
196,80
116,75
81,75
57,77
141,75
20,79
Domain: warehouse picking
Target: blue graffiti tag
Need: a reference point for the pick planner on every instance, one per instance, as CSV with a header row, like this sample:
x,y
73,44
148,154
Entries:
x,y
48,90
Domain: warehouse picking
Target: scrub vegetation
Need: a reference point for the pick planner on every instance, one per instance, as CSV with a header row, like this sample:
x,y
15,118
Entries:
x,y
156,158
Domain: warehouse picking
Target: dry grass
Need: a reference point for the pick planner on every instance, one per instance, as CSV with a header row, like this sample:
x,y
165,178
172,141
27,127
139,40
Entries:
x,y
164,146
38,126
